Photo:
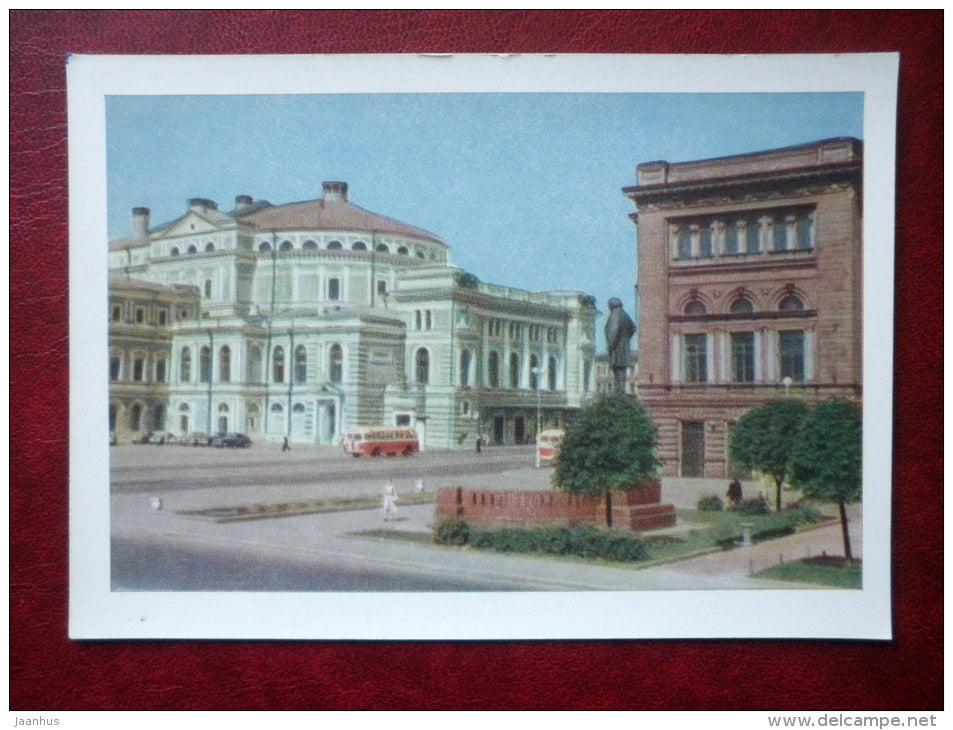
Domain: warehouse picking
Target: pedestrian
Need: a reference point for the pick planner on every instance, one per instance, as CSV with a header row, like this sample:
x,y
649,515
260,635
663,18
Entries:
x,y
285,446
479,444
389,501
734,492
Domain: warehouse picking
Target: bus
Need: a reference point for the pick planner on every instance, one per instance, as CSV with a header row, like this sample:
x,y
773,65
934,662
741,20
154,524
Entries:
x,y
547,445
379,441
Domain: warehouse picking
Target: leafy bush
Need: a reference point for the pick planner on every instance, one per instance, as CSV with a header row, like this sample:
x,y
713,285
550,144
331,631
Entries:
x,y
710,503
804,513
752,506
582,540
454,532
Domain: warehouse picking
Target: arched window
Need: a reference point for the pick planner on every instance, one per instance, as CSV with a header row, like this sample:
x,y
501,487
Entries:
x,y
209,246
185,365
534,372
465,360
135,417
552,371
158,417
791,303
336,364
742,306
382,248
115,363
285,246
298,408
335,246
301,364
193,249
278,364
493,369
403,251
695,308
264,246
254,364
225,364
514,370
205,364
359,246
309,246
422,366
174,251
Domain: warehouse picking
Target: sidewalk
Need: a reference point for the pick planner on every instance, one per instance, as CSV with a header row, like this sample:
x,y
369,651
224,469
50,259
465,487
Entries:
x,y
331,539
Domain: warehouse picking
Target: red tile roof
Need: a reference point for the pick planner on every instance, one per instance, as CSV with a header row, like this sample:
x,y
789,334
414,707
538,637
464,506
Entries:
x,y
332,215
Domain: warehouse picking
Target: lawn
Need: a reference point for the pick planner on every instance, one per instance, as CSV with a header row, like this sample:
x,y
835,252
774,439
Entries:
x,y
831,574
704,531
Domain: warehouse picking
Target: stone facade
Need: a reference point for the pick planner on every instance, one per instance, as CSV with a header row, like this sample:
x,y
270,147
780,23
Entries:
x,y
638,509
317,316
749,287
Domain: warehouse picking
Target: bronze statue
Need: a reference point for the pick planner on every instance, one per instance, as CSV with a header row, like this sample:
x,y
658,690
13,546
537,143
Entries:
x,y
619,330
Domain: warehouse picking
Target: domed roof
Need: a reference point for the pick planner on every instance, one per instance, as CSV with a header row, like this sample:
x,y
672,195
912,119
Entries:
x,y
331,212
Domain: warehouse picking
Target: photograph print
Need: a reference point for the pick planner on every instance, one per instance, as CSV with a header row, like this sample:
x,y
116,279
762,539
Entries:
x,y
481,343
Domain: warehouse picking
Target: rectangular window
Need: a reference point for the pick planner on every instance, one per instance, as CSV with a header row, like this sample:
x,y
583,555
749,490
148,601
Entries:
x,y
381,287
696,358
804,233
684,243
140,315
731,239
791,355
780,231
752,231
704,242
160,371
163,317
116,314
138,369
334,289
742,357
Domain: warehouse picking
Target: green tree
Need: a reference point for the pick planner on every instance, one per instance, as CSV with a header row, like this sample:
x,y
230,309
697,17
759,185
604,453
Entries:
x,y
763,439
609,445
827,464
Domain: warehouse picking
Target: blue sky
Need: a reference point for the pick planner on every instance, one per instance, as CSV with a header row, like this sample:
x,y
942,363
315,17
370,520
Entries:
x,y
525,188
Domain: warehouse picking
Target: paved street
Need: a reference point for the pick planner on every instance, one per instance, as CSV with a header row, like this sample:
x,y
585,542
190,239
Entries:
x,y
163,550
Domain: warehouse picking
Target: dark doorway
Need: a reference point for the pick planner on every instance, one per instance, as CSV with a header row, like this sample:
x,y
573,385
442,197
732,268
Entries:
x,y
498,430
693,449
519,429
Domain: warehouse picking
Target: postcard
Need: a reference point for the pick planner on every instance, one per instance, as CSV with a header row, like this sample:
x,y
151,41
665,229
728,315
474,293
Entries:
x,y
481,347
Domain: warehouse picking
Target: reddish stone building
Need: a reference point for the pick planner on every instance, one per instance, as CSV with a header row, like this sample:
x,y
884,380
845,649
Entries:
x,y
749,284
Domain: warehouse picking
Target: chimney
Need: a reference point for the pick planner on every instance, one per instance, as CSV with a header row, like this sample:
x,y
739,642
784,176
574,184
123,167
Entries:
x,y
140,222
243,204
335,191
202,205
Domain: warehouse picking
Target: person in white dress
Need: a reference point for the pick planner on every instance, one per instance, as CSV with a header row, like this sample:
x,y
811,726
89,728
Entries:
x,y
389,502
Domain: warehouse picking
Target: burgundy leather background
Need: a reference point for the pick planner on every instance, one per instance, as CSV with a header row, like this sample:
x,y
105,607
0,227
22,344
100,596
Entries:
x,y
49,672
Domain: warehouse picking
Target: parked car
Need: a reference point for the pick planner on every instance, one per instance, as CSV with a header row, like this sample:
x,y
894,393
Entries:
x,y
196,438
162,437
231,441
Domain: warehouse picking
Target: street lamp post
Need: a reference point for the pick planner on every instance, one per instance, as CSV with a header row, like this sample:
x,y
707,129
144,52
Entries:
x,y
539,405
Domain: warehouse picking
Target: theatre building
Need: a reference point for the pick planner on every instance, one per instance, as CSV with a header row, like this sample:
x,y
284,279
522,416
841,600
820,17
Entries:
x,y
749,286
303,319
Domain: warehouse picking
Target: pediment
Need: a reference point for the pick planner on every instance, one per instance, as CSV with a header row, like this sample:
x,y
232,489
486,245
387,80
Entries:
x,y
193,224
